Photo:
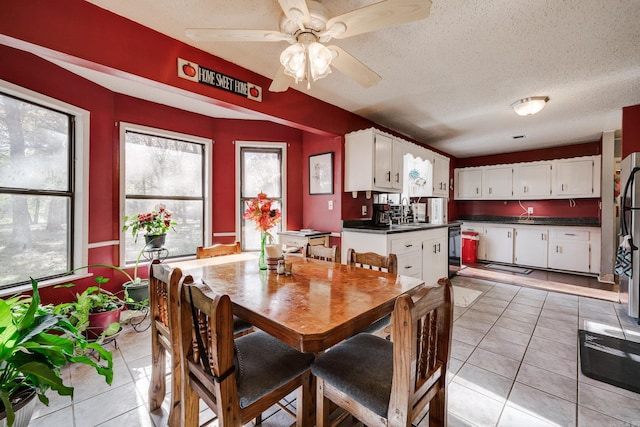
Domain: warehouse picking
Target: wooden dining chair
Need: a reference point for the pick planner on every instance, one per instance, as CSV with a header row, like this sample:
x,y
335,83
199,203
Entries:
x,y
240,327
322,252
383,383
238,379
218,250
163,286
372,260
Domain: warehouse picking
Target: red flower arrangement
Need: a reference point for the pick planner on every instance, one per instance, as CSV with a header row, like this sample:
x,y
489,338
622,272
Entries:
x,y
152,223
260,211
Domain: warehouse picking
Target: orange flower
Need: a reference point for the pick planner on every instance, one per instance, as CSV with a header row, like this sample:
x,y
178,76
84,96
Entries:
x,y
260,211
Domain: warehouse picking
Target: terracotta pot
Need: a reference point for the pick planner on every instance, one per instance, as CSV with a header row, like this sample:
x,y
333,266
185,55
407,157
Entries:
x,y
99,322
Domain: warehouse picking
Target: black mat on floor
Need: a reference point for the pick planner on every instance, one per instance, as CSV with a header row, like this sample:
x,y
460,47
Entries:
x,y
611,360
509,268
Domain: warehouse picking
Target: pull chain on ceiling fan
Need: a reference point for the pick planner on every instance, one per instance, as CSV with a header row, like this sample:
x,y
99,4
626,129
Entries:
x,y
306,26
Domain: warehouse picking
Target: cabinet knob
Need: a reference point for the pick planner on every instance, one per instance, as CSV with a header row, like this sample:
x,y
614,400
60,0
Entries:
x,y
408,267
389,176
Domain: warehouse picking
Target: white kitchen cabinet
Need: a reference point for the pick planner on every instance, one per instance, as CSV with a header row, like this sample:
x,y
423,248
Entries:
x,y
373,161
532,180
435,255
498,243
468,183
440,176
418,174
497,182
574,249
531,246
408,248
577,177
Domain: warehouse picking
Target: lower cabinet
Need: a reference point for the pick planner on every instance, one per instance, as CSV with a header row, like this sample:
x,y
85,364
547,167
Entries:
x,y
435,256
531,246
422,253
574,249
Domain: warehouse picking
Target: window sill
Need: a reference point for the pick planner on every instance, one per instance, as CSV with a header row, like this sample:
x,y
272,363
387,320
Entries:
x,y
43,284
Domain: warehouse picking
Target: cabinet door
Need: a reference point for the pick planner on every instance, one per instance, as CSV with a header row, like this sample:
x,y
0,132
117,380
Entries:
x,y
435,259
533,180
571,255
576,178
498,244
497,182
468,183
440,176
531,246
383,161
397,165
418,176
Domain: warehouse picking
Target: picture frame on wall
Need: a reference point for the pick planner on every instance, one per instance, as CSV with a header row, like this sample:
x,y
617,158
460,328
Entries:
x,y
321,173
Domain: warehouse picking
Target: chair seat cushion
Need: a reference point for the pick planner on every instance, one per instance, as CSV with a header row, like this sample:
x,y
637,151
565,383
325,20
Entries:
x,y
265,363
240,325
362,368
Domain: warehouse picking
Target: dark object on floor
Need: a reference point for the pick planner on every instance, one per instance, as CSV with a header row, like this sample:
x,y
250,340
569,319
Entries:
x,y
611,360
508,268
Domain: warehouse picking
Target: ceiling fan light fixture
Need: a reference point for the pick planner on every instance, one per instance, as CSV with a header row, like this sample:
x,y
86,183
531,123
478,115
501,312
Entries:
x,y
319,60
294,60
308,61
529,106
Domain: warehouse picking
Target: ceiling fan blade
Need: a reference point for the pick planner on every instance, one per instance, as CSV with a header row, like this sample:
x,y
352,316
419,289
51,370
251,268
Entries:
x,y
236,35
296,10
356,70
281,81
377,16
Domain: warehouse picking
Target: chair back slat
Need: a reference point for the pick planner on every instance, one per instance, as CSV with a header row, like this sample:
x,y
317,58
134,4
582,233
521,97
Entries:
x,y
322,252
372,260
218,250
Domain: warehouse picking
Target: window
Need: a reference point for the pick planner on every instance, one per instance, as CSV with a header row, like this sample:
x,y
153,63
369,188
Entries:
x,y
261,169
169,169
42,234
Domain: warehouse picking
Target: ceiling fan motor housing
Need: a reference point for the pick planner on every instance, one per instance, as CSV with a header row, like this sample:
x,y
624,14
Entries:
x,y
318,20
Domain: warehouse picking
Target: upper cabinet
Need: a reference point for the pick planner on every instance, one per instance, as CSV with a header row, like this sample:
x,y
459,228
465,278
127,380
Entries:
x,y
532,180
555,179
579,177
468,183
377,161
373,161
497,182
440,176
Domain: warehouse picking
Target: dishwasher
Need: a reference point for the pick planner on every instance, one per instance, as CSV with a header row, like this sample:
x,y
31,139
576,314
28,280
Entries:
x,y
454,249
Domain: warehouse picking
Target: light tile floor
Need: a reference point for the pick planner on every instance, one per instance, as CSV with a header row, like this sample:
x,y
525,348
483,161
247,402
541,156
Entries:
x,y
514,362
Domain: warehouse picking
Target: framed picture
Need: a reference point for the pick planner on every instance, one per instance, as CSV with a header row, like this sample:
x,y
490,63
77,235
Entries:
x,y
321,173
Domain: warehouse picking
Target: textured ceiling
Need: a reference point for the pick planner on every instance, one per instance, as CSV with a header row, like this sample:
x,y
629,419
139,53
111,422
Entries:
x,y
448,80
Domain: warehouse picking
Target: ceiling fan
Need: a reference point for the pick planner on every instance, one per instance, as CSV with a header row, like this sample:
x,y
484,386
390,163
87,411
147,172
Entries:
x,y
306,25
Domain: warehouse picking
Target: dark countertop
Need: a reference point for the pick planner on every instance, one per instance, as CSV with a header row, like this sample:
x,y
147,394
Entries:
x,y
534,220
367,226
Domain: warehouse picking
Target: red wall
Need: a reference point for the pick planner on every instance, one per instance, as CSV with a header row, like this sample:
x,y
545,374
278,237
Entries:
x,y
630,130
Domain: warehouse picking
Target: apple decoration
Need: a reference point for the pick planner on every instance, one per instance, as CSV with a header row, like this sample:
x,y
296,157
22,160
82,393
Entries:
x,y
254,92
189,70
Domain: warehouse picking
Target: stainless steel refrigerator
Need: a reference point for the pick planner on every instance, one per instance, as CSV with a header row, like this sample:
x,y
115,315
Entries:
x,y
630,226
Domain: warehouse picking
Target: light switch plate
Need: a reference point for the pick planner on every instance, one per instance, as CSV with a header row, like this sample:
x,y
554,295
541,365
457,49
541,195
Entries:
x,y
364,210
330,203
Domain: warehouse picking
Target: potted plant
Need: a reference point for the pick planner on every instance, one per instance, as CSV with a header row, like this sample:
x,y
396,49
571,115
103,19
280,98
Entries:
x,y
35,344
95,311
154,224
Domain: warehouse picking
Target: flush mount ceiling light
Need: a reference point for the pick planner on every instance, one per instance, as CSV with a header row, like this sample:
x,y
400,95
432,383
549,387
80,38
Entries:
x,y
529,106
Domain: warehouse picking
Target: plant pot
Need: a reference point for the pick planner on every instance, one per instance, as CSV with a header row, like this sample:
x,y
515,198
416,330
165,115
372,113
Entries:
x,y
23,407
155,240
99,322
138,292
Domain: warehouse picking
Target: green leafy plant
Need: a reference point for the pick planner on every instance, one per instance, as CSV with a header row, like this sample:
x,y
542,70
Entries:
x,y
35,344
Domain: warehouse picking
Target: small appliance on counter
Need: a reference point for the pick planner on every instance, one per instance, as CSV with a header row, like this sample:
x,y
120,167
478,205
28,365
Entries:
x,y
381,214
420,212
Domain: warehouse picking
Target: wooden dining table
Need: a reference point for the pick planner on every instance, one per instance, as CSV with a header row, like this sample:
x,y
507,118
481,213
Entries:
x,y
320,304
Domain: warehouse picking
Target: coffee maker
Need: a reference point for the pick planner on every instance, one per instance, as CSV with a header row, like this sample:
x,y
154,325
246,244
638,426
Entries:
x,y
381,214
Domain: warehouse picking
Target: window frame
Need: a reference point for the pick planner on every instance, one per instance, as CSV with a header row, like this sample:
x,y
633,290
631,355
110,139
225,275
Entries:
x,y
207,180
80,194
283,175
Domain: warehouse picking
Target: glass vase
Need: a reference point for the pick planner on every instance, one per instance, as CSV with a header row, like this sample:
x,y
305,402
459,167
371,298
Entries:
x,y
262,263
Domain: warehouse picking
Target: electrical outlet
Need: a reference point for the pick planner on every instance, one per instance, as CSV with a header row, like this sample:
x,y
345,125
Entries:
x,y
330,205
364,210
530,210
